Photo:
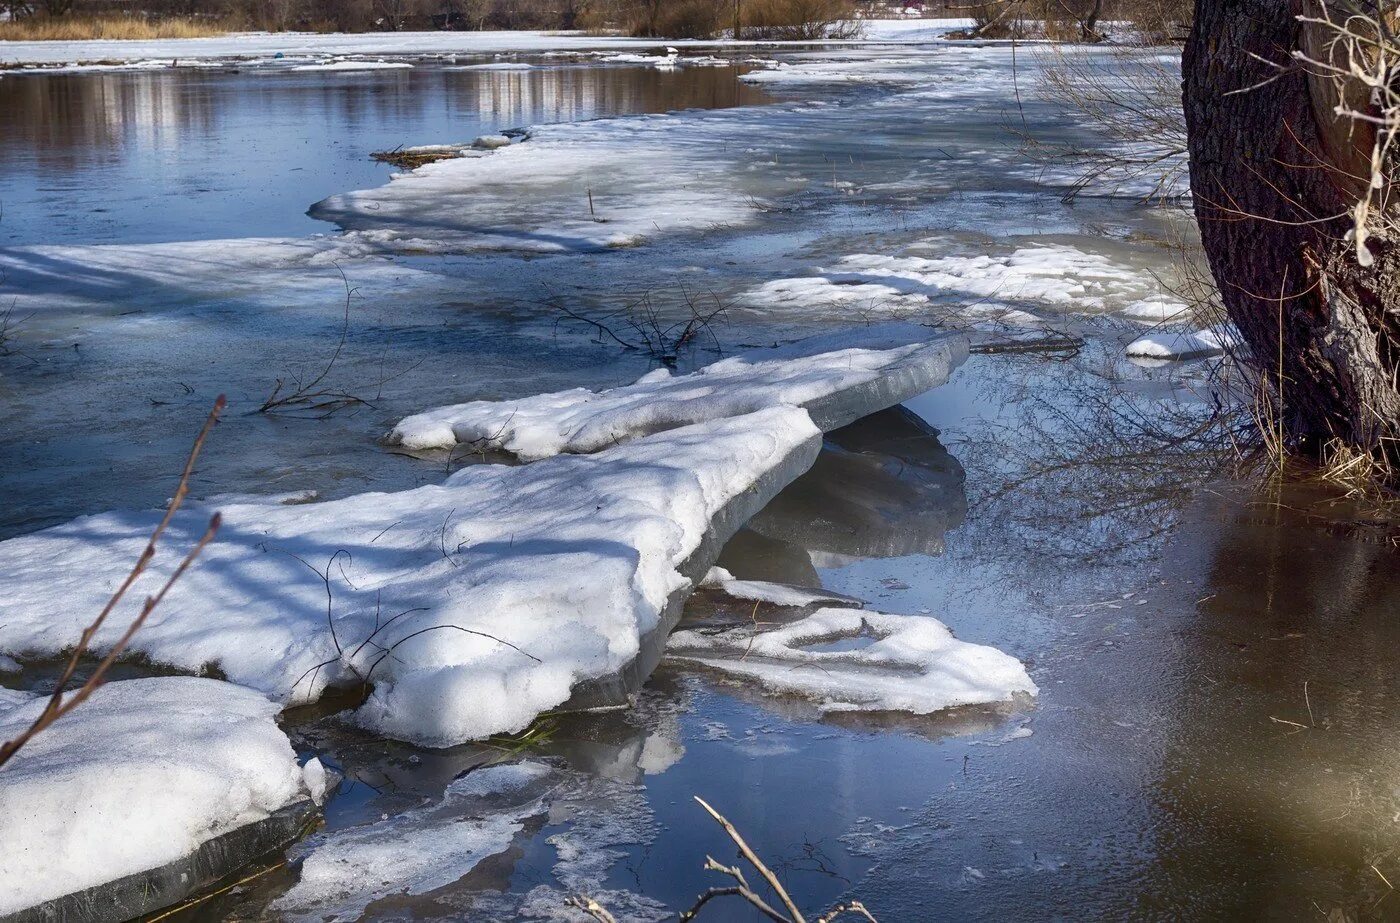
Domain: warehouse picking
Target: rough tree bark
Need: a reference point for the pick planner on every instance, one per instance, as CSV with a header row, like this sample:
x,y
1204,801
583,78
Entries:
x,y
1274,173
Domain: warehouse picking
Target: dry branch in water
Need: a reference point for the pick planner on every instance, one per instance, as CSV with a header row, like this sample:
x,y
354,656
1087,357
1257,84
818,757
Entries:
x,y
59,704
741,888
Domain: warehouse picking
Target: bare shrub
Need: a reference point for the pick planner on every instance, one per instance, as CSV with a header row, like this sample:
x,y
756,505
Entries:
x,y
1132,102
799,20
60,702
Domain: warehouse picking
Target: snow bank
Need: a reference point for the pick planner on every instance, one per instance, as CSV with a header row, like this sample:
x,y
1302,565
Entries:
x,y
418,851
498,591
840,377
1185,344
139,776
263,45
904,663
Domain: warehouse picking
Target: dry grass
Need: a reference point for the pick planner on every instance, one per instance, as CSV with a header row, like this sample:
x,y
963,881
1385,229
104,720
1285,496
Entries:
x,y
68,29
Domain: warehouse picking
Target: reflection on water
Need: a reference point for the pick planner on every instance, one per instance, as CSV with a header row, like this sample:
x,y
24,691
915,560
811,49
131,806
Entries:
x,y
191,154
882,487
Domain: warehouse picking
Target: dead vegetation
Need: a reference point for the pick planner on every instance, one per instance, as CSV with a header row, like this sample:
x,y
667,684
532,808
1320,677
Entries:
x,y
771,20
1139,22
640,326
78,28
413,158
60,702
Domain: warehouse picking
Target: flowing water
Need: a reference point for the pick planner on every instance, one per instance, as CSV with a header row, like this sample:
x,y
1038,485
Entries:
x,y
1214,734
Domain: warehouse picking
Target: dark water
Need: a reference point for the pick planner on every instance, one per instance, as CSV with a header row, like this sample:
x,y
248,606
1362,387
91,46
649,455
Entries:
x,y
190,154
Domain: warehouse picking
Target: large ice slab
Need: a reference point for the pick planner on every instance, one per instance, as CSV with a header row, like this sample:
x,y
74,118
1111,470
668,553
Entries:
x,y
838,377
859,660
149,790
500,594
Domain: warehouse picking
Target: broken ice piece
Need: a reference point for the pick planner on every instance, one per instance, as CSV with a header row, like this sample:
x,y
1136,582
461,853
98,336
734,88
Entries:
x,y
854,660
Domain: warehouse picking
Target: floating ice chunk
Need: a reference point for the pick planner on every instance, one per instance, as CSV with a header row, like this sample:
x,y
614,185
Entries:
x,y
911,663
1187,344
779,594
839,377
491,142
499,592
416,851
353,64
9,664
137,777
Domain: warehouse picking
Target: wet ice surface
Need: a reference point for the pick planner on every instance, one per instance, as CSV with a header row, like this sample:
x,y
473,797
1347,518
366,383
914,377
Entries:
x,y
1165,626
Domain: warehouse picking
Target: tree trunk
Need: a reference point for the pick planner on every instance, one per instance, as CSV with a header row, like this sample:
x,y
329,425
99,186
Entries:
x,y
1274,174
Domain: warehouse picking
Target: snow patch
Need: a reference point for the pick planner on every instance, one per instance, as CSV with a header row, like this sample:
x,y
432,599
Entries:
x,y
139,776
1186,344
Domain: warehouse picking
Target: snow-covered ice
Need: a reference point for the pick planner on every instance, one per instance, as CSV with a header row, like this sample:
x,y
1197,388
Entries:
x,y
138,776
816,372
498,591
1185,344
911,663
778,594
578,186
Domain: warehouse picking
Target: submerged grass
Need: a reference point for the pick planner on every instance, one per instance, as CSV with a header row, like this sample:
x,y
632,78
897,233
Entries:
x,y
77,28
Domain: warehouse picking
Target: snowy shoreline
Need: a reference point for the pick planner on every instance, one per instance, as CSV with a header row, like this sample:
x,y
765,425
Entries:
x,y
253,47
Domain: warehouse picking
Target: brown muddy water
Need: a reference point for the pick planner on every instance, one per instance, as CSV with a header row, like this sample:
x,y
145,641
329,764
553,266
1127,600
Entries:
x,y
1215,736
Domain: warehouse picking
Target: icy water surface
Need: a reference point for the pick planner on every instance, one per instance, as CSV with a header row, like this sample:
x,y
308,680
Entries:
x,y
1215,658
190,154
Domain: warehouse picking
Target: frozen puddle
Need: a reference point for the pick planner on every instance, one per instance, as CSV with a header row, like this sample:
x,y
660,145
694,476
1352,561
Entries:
x,y
150,790
469,607
838,378
858,660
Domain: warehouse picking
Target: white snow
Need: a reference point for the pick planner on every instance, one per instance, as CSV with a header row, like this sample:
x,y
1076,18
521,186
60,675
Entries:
x,y
1185,344
778,594
138,776
1053,274
808,295
12,698
578,186
567,562
912,663
414,852
580,421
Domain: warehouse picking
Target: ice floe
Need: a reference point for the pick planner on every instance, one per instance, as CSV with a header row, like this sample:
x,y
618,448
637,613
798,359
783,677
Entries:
x,y
777,594
137,777
571,187
1185,344
872,662
497,592
839,377
352,64
418,851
